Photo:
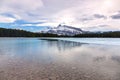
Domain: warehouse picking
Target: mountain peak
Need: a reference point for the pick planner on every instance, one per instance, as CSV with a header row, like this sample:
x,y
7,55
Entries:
x,y
63,29
69,27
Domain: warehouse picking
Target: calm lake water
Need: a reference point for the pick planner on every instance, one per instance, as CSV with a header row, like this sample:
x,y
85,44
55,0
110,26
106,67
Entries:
x,y
59,59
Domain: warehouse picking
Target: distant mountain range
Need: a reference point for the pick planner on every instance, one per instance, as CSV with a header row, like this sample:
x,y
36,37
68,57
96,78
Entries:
x,y
64,30
59,31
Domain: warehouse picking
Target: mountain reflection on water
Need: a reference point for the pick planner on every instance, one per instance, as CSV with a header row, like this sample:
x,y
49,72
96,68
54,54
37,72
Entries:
x,y
64,59
62,45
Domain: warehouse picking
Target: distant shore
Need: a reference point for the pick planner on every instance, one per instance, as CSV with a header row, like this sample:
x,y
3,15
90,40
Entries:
x,y
22,33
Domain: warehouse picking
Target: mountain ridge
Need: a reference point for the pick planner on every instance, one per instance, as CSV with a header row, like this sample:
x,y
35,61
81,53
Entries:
x,y
65,30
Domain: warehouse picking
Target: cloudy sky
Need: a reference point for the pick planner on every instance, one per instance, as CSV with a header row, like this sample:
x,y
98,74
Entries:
x,y
36,15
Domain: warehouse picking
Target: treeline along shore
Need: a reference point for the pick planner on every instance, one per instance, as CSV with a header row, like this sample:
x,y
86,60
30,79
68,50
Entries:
x,y
22,33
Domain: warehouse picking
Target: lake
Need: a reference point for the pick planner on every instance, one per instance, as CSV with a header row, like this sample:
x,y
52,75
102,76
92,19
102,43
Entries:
x,y
59,58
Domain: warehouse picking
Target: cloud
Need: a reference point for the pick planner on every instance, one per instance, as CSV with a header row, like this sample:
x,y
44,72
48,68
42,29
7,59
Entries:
x,y
99,16
101,28
116,16
22,5
78,13
11,15
4,19
21,8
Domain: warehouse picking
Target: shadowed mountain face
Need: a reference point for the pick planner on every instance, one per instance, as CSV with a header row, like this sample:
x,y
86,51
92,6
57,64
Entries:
x,y
65,30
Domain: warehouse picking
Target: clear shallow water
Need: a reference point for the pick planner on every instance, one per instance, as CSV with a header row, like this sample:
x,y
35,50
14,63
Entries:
x,y
36,59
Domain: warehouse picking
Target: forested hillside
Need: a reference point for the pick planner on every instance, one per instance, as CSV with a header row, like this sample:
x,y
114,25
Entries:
x,y
115,34
21,33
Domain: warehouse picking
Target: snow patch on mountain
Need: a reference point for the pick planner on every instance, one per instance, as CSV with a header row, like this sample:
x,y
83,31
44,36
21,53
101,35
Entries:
x,y
64,30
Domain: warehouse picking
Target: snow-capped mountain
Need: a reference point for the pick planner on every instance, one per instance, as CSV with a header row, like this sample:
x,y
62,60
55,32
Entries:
x,y
65,30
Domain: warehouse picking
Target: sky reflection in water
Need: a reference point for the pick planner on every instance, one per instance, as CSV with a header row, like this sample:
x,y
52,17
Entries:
x,y
103,59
